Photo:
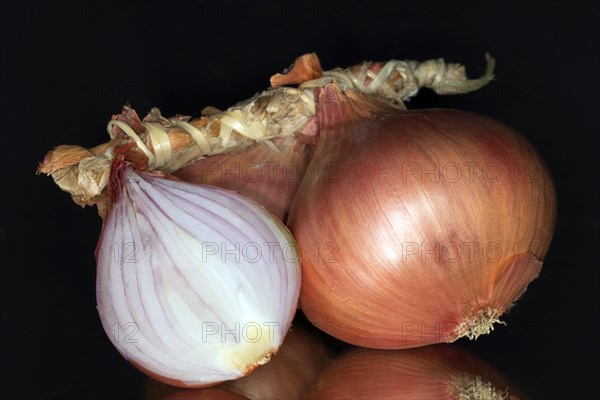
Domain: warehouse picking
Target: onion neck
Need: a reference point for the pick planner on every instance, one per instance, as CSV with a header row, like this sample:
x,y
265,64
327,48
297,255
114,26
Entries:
x,y
338,111
507,282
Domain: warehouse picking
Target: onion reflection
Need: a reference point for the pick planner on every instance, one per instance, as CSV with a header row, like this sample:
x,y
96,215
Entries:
x,y
159,391
289,375
434,372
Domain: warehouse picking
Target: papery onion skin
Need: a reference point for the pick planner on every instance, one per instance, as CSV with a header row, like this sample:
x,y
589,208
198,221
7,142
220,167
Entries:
x,y
175,296
269,175
399,254
436,372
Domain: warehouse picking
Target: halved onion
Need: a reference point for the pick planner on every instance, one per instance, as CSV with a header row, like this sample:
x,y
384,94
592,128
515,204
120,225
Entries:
x,y
196,284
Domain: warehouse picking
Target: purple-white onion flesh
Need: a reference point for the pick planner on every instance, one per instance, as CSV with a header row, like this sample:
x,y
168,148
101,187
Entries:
x,y
195,284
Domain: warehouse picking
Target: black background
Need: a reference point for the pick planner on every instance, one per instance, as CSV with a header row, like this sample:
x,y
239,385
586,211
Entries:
x,y
66,67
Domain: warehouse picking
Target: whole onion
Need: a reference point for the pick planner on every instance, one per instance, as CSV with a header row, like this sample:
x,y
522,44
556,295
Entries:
x,y
417,227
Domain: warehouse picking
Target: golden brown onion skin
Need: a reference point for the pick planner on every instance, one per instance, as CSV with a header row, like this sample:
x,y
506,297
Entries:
x,y
435,372
414,226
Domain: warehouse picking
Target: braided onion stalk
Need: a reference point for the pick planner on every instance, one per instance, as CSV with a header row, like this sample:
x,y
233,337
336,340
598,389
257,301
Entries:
x,y
263,143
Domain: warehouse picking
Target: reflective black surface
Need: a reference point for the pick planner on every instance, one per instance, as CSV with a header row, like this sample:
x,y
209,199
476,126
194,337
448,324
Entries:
x,y
311,365
66,67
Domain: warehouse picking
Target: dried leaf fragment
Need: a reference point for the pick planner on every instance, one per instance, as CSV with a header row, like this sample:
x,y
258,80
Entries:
x,y
306,68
